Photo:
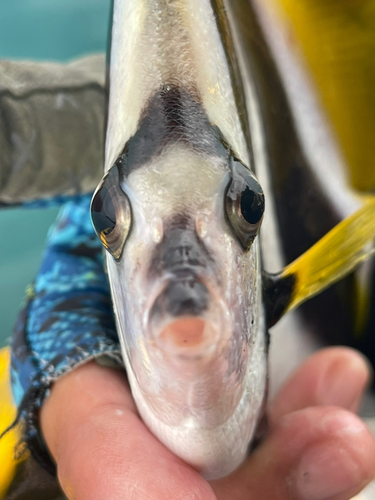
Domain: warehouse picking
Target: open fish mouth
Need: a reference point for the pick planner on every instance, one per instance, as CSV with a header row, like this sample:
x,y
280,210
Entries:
x,y
187,319
189,344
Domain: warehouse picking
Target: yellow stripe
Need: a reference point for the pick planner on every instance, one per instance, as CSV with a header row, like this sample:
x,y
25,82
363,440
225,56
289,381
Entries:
x,y
337,39
335,255
8,463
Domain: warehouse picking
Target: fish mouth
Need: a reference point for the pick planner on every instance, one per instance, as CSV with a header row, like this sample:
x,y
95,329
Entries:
x,y
190,344
187,318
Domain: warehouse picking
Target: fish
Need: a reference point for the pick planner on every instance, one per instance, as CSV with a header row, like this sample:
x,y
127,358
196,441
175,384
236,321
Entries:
x,y
180,210
198,201
176,162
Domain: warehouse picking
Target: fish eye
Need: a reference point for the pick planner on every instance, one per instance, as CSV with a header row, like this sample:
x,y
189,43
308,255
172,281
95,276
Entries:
x,y
111,213
244,204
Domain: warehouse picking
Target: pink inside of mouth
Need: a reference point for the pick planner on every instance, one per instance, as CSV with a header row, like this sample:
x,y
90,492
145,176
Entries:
x,y
185,332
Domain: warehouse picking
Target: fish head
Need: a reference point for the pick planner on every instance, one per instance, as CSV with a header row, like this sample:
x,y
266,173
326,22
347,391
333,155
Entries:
x,y
185,280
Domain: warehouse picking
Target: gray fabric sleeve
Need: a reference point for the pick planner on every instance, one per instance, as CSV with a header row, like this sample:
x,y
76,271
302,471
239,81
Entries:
x,y
52,119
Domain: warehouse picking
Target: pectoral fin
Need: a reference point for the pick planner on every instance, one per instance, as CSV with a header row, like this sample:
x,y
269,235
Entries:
x,y
329,260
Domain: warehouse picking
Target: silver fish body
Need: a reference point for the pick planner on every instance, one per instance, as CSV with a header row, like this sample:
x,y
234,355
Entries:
x,y
179,210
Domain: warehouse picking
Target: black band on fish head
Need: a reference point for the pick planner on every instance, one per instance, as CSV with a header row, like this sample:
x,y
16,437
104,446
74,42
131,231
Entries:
x,y
111,212
244,203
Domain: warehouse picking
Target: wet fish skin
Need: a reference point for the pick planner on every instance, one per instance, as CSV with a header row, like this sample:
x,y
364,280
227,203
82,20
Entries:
x,y
177,141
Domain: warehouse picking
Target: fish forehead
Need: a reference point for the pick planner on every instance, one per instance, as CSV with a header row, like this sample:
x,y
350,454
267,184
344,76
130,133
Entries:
x,y
156,43
178,180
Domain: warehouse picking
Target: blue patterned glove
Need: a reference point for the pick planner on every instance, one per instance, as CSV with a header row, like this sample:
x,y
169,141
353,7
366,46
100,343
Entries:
x,y
67,319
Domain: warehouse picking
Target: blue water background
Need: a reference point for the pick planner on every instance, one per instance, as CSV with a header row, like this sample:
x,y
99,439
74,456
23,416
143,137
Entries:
x,y
42,30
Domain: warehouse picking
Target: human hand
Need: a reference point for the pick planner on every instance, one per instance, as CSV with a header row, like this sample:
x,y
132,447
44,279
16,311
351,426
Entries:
x,y
316,448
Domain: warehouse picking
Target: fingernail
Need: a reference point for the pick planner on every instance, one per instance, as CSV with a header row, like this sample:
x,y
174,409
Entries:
x,y
323,472
343,383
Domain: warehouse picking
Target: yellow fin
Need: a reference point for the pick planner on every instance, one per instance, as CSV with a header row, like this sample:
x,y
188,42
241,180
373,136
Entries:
x,y
334,256
337,40
7,415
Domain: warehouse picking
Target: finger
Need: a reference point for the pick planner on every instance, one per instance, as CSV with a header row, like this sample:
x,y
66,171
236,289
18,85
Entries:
x,y
102,448
335,376
312,454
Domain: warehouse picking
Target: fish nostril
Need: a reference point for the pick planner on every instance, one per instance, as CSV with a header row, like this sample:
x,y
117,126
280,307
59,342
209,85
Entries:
x,y
180,256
